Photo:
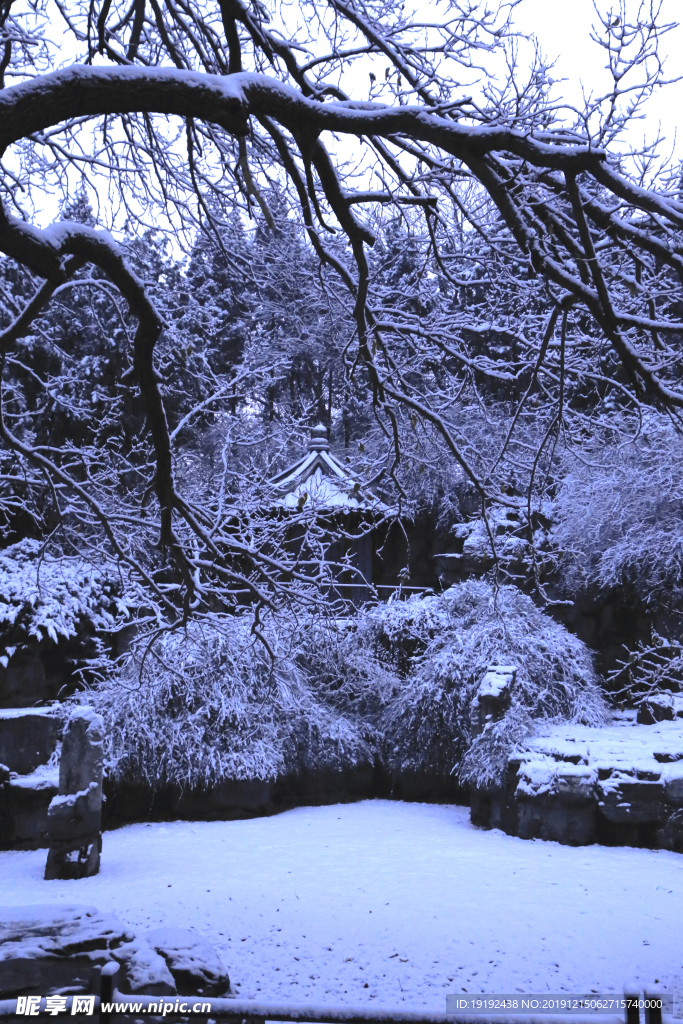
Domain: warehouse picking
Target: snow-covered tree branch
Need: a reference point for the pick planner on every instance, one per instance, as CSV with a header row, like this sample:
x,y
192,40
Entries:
x,y
558,255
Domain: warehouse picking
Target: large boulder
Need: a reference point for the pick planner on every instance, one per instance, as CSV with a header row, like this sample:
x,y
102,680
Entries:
x,y
47,949
143,970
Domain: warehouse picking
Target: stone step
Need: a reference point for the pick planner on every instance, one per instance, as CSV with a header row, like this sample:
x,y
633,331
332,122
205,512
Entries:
x,y
620,784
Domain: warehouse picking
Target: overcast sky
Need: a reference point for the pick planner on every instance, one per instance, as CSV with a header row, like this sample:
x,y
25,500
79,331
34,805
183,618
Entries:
x,y
563,29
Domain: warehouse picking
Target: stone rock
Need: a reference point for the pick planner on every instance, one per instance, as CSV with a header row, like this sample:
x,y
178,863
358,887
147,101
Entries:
x,y
66,860
28,737
575,785
28,778
673,787
47,949
144,970
74,816
24,801
550,817
59,930
620,784
660,707
194,964
626,800
670,836
82,757
492,698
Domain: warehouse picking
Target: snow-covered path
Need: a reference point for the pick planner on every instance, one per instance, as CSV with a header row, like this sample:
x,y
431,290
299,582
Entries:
x,y
388,902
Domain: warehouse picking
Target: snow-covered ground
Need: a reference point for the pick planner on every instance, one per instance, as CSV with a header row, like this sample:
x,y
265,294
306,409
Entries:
x,y
387,902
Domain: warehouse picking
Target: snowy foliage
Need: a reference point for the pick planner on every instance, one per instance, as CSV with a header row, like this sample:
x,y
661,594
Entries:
x,y
42,596
209,705
619,519
652,669
457,281
395,684
444,645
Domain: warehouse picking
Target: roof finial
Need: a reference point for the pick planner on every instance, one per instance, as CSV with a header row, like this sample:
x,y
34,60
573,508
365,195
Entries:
x,y
319,442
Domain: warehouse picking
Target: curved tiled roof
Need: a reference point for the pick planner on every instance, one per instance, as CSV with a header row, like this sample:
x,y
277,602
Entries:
x,y
323,482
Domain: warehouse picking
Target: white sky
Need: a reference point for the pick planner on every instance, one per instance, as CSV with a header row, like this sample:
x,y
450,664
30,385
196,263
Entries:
x,y
563,30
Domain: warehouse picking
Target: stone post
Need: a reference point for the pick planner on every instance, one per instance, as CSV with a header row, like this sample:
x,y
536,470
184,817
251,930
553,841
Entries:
x,y
492,699
74,816
489,807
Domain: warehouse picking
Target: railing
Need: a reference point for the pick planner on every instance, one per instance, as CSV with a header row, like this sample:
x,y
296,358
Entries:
x,y
109,1004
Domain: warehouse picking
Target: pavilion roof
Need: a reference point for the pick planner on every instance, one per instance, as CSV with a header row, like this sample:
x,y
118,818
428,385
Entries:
x,y
319,481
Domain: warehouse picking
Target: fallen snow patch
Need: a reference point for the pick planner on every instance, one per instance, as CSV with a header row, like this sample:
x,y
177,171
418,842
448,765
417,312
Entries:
x,y
386,902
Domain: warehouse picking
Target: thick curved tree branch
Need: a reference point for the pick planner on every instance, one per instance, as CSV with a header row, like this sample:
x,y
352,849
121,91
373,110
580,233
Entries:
x,y
498,184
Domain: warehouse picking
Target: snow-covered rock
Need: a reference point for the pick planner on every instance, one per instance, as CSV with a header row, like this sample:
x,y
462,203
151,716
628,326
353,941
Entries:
x,y
621,784
48,949
144,970
660,707
196,967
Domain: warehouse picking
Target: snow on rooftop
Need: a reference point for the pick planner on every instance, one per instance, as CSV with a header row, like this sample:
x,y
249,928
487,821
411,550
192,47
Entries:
x,y
319,481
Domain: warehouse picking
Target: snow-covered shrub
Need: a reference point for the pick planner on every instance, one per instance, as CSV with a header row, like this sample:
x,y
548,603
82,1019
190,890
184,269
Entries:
x,y
42,596
394,683
619,520
209,705
347,672
441,646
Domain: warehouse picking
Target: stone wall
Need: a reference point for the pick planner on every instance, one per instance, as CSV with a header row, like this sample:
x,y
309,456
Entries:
x,y
29,775
250,798
621,785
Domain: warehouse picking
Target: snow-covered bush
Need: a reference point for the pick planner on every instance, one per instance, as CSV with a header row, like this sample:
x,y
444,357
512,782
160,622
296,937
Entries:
x,y
395,683
429,655
619,519
209,704
45,597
